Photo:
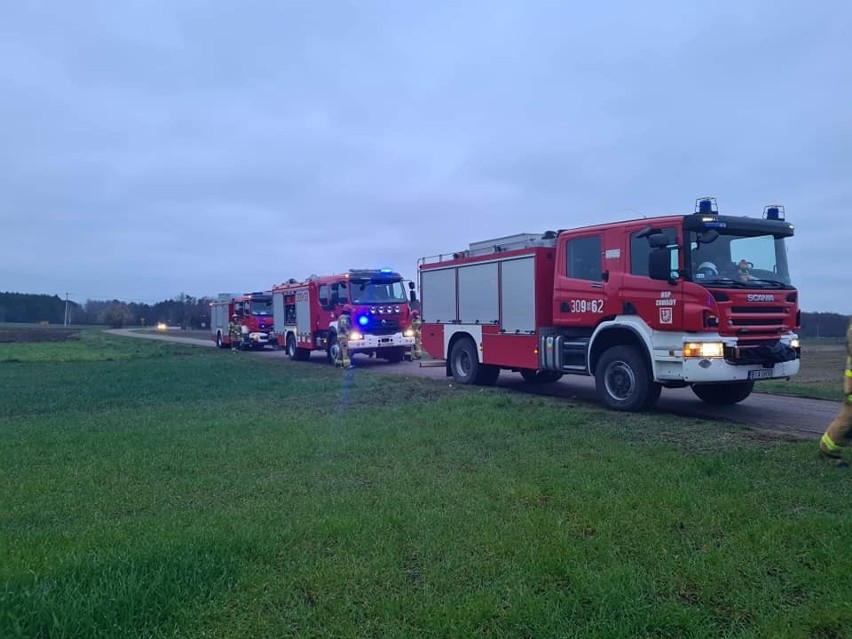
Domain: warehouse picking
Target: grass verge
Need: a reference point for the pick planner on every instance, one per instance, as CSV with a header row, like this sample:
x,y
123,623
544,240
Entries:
x,y
158,490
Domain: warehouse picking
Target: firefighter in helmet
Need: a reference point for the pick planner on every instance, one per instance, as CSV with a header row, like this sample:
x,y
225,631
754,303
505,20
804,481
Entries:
x,y
235,332
839,432
344,327
417,325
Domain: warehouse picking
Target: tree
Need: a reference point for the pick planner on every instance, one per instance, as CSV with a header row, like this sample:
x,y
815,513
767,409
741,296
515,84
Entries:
x,y
117,314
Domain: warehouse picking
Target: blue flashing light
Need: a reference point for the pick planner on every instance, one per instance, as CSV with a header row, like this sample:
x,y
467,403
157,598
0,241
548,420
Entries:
x,y
363,319
715,225
706,206
774,212
386,270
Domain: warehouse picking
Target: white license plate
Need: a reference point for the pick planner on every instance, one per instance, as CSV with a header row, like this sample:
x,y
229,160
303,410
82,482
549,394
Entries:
x,y
761,373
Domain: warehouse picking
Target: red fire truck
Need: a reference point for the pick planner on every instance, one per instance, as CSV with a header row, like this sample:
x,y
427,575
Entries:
x,y
306,314
254,313
702,300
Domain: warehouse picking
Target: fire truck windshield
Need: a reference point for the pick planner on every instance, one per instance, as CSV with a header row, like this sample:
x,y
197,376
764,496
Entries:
x,y
727,259
261,307
377,292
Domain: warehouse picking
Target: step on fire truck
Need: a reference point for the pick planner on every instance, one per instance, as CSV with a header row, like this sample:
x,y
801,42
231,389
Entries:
x,y
306,314
701,300
254,314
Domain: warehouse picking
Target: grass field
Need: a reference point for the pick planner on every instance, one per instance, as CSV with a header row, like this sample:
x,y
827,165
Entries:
x,y
159,490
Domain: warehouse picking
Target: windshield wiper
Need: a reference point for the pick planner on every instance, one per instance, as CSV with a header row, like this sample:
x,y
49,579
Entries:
x,y
724,281
767,283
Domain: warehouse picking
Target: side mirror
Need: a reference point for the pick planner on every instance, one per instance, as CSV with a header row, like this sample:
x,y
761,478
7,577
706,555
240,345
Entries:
x,y
660,264
658,240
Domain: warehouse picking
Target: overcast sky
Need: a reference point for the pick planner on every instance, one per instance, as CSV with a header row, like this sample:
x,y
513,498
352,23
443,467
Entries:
x,y
150,148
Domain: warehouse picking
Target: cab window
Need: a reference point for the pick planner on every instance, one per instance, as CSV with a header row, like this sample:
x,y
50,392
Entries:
x,y
584,258
640,250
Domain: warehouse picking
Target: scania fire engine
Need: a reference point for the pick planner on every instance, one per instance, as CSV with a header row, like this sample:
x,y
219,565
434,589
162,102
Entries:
x,y
702,300
254,314
306,314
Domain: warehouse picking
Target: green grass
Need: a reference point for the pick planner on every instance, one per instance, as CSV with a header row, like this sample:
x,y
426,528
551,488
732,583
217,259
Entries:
x,y
159,490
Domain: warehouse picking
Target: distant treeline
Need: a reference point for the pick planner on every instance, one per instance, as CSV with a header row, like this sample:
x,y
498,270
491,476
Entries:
x,y
194,312
185,311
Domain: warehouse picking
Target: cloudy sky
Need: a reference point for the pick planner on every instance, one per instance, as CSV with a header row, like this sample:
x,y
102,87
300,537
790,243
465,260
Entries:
x,y
149,148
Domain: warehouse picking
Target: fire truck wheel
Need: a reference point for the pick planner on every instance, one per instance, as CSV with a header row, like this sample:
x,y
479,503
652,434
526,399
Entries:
x,y
463,362
332,352
540,377
466,368
723,394
653,395
622,379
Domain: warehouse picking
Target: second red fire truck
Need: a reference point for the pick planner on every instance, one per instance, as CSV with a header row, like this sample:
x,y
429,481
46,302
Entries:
x,y
702,300
254,314
306,314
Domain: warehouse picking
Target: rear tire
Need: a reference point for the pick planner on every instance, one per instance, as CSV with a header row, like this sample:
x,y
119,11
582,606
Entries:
x,y
723,394
540,377
465,366
622,379
291,347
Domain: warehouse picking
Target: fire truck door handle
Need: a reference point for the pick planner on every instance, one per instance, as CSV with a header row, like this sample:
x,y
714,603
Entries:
x,y
597,285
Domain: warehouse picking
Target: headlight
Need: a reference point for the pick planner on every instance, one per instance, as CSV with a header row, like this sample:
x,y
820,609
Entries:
x,y
794,343
704,349
162,326
355,336
409,332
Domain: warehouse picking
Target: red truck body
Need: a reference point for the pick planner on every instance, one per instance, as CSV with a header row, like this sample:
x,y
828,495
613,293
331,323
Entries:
x,y
640,305
306,314
254,314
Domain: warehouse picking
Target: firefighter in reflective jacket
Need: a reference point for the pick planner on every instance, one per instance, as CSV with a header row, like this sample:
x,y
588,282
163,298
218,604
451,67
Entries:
x,y
417,326
839,432
235,332
344,327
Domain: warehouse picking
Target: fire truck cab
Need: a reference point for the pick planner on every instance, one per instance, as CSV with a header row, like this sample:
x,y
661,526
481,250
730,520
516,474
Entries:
x,y
254,314
306,314
701,300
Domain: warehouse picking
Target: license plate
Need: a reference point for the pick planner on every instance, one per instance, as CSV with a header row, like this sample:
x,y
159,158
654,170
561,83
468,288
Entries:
x,y
761,373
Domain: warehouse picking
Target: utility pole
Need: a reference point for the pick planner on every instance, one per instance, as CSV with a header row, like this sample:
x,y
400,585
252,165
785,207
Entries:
x,y
66,309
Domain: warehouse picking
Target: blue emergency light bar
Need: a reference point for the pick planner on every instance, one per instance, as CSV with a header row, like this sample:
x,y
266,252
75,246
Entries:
x,y
706,206
773,212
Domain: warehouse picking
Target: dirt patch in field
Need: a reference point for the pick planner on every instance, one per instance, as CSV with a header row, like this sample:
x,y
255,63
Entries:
x,y
38,335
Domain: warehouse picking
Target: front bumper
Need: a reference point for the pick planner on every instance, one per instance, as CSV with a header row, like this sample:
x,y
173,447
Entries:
x,y
258,338
698,371
733,361
376,342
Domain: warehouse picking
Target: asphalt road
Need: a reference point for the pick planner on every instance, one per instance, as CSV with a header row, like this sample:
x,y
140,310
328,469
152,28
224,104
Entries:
x,y
791,417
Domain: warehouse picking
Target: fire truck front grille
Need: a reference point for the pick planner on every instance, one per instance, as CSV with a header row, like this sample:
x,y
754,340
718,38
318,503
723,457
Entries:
x,y
387,326
754,321
759,309
764,319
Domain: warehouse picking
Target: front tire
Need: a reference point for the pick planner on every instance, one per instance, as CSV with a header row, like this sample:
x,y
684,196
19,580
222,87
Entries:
x,y
332,352
723,394
622,379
